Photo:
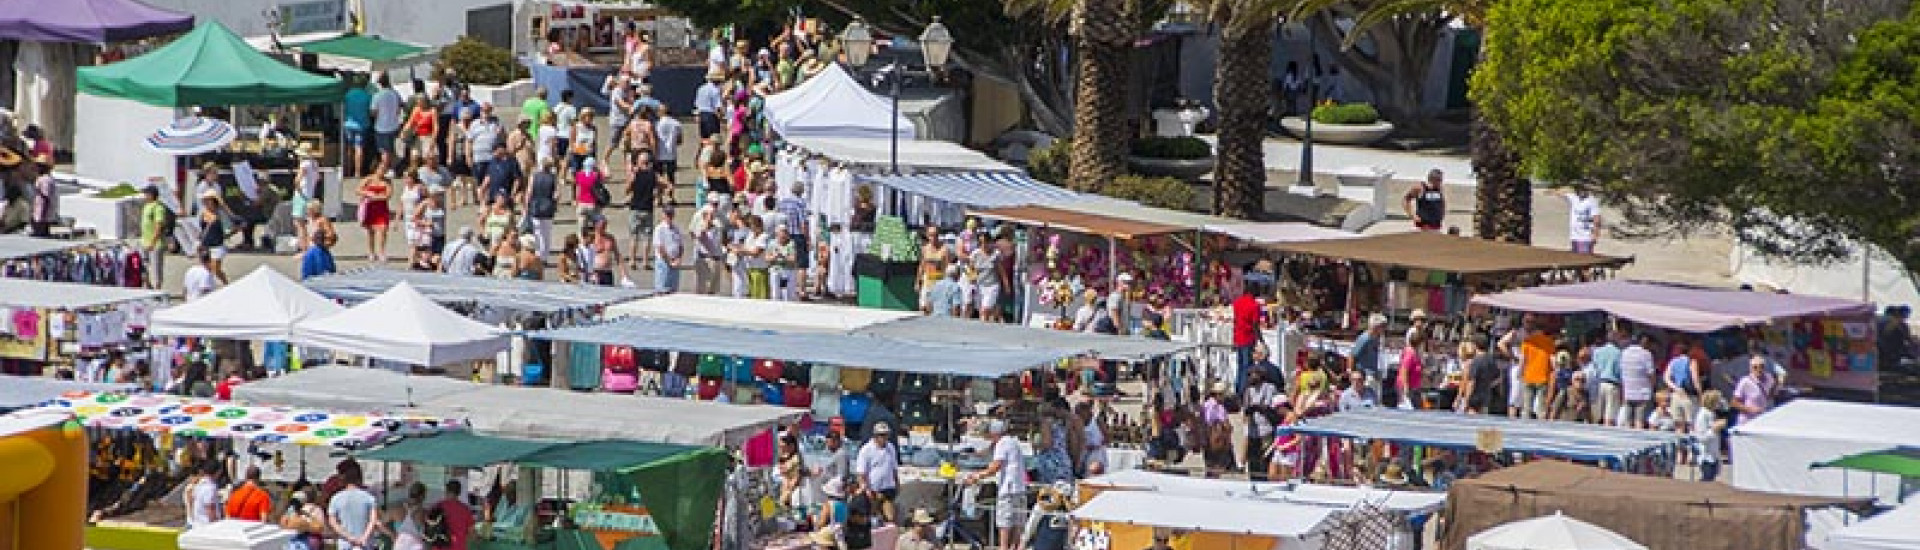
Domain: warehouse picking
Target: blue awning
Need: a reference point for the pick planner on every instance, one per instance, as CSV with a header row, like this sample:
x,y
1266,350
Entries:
x,y
847,350
978,189
1605,444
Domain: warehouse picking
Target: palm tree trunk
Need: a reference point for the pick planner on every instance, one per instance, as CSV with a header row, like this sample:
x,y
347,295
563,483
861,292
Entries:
x,y
1240,83
1503,205
1101,38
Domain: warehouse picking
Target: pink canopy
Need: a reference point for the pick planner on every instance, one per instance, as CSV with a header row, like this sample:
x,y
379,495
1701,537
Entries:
x,y
1676,307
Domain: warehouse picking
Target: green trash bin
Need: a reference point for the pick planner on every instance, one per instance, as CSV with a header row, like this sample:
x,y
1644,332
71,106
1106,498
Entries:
x,y
885,285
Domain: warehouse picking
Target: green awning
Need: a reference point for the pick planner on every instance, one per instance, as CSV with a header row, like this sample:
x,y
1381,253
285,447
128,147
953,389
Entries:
x,y
608,456
1899,461
457,449
359,52
209,66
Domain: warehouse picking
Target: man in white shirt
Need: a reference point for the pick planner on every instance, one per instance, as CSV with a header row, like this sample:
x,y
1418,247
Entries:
x,y
1010,470
457,258
668,246
667,156
1583,220
386,118
200,279
203,498
879,464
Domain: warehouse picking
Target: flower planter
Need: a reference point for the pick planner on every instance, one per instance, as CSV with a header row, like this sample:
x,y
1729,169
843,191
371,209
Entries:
x,y
1183,169
1343,134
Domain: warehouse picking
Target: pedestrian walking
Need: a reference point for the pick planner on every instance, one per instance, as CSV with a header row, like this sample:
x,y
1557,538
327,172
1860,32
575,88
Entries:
x,y
668,246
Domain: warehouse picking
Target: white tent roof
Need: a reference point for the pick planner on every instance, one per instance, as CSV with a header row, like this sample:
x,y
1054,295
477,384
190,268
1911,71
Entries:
x,y
1202,514
1898,529
1882,425
1555,532
832,104
403,325
264,305
1778,449
760,314
553,414
48,294
876,151
1280,232
1310,494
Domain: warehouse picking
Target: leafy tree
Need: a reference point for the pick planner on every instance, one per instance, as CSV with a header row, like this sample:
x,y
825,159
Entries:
x,y
1792,123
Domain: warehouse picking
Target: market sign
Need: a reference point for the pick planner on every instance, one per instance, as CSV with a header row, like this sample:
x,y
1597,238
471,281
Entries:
x,y
312,16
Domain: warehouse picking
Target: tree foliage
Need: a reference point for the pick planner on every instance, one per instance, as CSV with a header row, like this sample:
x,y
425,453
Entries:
x,y
1793,123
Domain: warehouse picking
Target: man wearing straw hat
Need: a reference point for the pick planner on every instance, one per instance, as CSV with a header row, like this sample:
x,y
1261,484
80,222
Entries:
x,y
706,103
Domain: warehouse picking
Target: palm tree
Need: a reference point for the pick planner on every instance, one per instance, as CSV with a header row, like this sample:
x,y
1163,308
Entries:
x,y
1503,205
1103,33
1241,96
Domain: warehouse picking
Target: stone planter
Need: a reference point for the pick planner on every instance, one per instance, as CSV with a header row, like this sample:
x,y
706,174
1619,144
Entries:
x,y
1183,169
108,218
1342,134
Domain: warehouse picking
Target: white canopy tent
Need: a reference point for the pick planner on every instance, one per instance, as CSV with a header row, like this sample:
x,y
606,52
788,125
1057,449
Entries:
x,y
1898,529
1291,523
264,305
1778,450
878,152
759,314
1308,494
547,413
403,325
833,104
1555,532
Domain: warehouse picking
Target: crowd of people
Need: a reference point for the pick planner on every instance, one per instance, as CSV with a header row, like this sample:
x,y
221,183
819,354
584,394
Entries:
x,y
342,511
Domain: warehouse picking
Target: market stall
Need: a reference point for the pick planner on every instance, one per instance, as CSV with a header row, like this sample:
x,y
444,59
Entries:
x,y
1643,508
402,325
954,330
522,412
1823,343
831,104
1781,452
212,68
643,495
1089,243
1128,519
53,260
1342,440
57,37
1891,530
1382,517
264,305
46,326
754,314
1555,532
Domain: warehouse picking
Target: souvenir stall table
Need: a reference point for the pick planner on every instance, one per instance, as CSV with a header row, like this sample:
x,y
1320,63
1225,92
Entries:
x,y
512,304
1642,508
132,97
1826,344
133,438
642,495
1364,517
71,327
1356,444
104,263
1119,520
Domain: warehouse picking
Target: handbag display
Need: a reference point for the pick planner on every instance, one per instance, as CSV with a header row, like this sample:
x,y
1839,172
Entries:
x,y
855,379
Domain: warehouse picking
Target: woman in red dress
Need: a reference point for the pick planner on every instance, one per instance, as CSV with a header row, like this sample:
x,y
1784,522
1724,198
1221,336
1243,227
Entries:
x,y
375,213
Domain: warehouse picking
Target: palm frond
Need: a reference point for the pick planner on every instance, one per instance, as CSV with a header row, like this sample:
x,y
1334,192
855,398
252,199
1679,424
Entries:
x,y
1049,11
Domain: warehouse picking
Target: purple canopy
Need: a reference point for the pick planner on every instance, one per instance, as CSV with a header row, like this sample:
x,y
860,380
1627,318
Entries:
x,y
1676,307
87,21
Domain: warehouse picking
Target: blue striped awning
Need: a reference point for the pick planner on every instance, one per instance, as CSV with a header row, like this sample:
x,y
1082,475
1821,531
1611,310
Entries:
x,y
1604,444
846,350
978,189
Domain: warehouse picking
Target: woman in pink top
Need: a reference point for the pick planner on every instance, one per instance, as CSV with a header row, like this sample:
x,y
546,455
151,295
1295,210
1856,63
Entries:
x,y
584,181
1411,375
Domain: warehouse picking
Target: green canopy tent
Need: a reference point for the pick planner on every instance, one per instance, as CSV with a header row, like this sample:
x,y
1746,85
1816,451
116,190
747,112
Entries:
x,y
209,66
681,484
1899,461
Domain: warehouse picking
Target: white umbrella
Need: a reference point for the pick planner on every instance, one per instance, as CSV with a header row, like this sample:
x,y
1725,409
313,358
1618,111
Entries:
x,y
1555,532
191,136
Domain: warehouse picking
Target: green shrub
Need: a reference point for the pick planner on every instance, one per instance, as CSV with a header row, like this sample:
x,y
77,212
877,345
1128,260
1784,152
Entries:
x,y
478,62
1346,113
122,190
1182,148
1166,193
1049,163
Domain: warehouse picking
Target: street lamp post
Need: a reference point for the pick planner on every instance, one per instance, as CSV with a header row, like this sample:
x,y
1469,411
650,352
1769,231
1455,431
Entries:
x,y
935,43
1306,142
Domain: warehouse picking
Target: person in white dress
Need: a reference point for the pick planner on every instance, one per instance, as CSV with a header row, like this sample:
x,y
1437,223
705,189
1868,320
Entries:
x,y
1583,220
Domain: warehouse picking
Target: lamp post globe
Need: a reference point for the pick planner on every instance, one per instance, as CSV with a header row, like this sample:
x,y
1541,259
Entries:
x,y
858,41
